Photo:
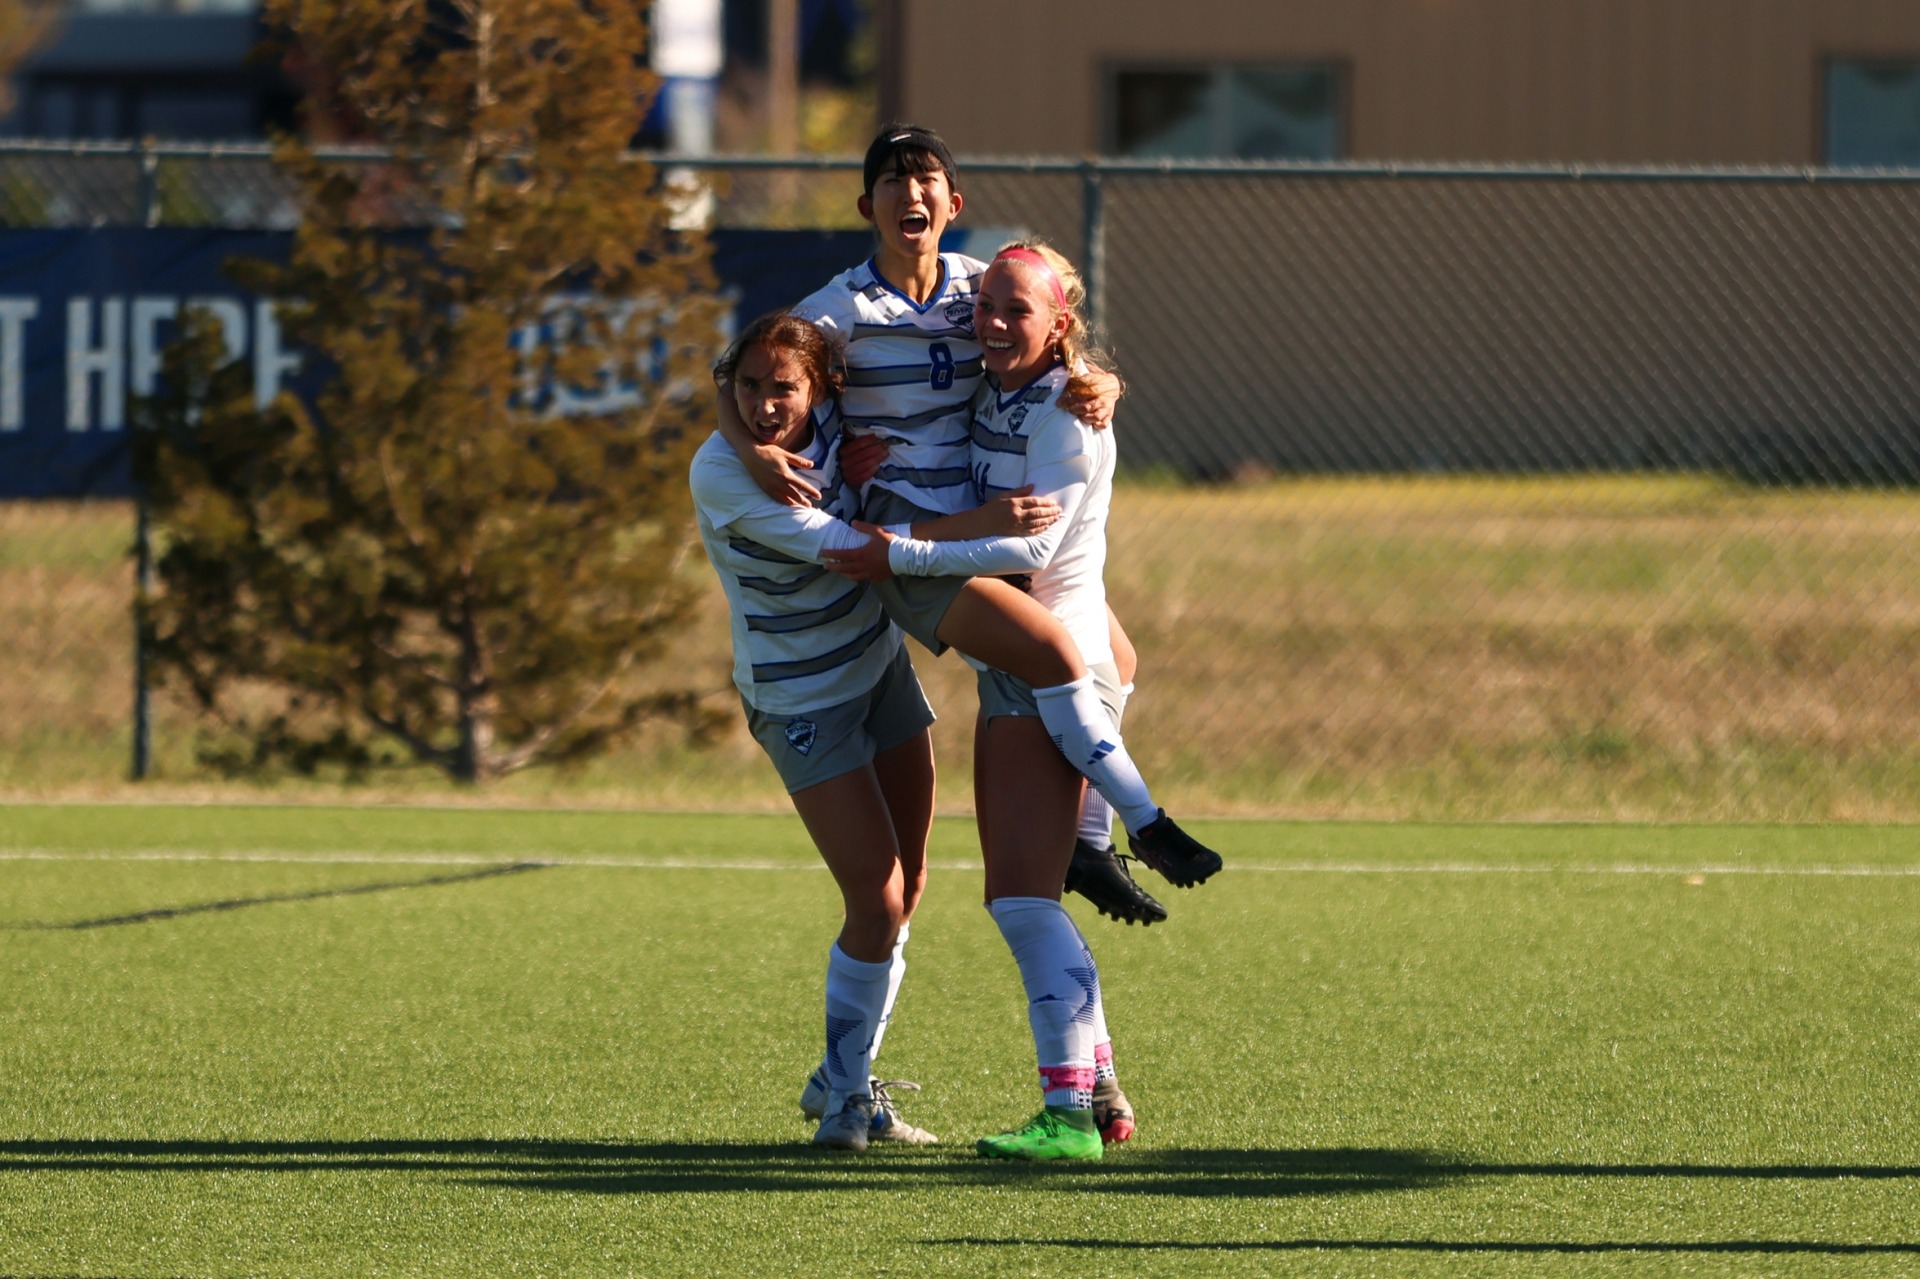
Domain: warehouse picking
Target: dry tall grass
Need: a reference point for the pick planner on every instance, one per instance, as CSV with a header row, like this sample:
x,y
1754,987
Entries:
x,y
1618,648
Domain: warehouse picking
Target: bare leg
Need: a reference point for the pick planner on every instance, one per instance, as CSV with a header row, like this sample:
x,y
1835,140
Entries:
x,y
1010,631
848,818
1125,658
1028,797
906,778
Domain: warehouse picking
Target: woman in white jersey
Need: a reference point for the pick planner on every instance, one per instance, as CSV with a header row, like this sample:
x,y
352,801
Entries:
x,y
905,323
1027,796
829,694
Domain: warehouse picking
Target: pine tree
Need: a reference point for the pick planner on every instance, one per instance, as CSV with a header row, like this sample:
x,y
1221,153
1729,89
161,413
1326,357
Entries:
x,y
460,547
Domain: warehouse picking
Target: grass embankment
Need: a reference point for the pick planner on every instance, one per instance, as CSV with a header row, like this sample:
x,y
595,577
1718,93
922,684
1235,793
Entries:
x,y
1670,648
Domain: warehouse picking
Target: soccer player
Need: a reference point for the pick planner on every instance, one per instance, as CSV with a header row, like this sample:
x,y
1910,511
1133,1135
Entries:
x,y
1028,319
904,320
829,695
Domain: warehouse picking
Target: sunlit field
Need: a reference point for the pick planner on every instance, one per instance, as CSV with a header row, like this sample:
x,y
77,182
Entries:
x,y
284,1041
1610,648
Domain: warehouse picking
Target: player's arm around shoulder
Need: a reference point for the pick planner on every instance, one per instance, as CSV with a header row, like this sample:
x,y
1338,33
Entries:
x,y
723,490
1092,394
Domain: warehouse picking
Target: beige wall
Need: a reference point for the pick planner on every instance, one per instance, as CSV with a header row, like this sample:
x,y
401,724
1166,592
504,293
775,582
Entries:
x,y
1597,81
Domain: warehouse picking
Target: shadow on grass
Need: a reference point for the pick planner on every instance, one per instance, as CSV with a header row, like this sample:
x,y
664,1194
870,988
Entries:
x,y
618,1168
241,903
1464,1247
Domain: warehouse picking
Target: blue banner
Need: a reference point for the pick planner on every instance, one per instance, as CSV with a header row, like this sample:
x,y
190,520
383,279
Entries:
x,y
84,316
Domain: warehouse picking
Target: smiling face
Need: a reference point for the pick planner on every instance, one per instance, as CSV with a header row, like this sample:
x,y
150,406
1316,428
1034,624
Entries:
x,y
910,211
775,396
1017,324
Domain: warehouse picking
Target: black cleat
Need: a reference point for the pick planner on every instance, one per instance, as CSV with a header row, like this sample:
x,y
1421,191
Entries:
x,y
1184,860
1100,875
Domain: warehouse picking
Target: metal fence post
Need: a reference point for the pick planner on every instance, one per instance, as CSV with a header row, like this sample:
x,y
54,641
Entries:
x,y
143,583
149,184
142,541
1093,269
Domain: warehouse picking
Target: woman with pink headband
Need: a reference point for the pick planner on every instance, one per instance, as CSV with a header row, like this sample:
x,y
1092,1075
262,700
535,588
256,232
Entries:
x,y
903,321
1028,322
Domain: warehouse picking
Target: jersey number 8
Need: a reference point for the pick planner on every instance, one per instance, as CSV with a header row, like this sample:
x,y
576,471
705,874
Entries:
x,y
942,359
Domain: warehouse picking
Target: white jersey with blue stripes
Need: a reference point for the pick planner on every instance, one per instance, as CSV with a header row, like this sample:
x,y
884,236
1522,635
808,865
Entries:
x,y
912,370
1027,438
803,638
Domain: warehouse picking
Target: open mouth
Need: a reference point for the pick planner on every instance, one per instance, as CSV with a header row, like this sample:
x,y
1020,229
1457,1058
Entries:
x,y
914,223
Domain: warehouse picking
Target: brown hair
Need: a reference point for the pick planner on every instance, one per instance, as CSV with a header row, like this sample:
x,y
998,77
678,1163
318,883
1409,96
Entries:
x,y
821,360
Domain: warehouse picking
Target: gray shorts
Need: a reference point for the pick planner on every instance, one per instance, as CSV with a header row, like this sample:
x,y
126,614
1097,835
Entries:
x,y
817,746
916,604
1002,694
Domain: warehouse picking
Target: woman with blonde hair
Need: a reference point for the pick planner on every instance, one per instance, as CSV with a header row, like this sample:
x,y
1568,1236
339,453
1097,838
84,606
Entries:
x,y
1028,321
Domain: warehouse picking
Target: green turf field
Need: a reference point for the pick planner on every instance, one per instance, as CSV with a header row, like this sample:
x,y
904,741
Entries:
x,y
328,1041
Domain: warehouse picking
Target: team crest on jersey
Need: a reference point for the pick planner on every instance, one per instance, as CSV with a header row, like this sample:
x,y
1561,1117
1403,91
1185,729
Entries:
x,y
801,734
959,313
1017,419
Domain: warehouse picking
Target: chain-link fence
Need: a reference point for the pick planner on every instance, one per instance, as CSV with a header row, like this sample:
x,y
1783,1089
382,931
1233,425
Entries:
x,y
1447,492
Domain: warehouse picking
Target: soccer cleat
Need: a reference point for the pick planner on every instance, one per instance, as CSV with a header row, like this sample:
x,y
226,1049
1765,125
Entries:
x,y
1184,860
813,1098
847,1124
1054,1133
1101,876
887,1123
1112,1114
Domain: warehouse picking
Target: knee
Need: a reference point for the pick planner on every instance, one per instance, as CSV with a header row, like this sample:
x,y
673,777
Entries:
x,y
875,917
1058,663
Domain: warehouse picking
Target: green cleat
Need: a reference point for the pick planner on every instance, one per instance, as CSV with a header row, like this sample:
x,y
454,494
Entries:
x,y
1054,1133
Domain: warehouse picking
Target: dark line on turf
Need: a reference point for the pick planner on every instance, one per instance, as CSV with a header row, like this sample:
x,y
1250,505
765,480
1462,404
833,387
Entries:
x,y
1760,1246
240,903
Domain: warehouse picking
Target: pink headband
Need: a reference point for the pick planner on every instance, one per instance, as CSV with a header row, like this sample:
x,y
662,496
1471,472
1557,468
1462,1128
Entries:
x,y
1039,264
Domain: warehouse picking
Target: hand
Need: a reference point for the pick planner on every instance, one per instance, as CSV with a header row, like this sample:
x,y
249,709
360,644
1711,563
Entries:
x,y
1091,395
867,562
1020,514
774,470
861,457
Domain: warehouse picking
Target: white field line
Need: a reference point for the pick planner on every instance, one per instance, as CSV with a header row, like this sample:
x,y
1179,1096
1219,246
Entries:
x,y
667,863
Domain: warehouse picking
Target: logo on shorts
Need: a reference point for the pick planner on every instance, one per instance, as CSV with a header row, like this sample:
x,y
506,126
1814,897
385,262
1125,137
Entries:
x,y
959,313
801,734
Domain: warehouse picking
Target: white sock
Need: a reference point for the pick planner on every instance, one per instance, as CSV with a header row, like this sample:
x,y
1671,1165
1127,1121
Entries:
x,y
856,997
1063,991
1098,1019
896,972
1082,729
1096,820
1096,814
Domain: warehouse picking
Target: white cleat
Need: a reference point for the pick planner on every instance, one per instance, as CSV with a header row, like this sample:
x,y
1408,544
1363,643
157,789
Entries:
x,y
813,1098
849,1119
887,1123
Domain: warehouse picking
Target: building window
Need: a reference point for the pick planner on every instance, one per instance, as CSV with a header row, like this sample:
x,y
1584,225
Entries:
x,y
1286,111
1873,113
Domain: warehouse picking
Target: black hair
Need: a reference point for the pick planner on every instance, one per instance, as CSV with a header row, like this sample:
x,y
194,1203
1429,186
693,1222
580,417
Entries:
x,y
907,148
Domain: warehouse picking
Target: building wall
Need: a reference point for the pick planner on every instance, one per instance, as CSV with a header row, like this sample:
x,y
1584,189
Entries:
x,y
1545,81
